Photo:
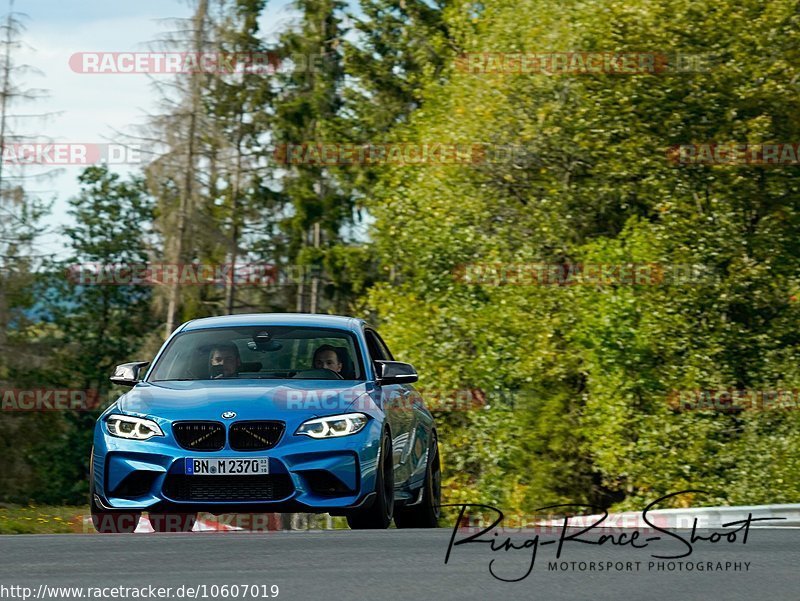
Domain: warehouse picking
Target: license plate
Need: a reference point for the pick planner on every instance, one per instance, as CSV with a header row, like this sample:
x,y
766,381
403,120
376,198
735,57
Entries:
x,y
196,466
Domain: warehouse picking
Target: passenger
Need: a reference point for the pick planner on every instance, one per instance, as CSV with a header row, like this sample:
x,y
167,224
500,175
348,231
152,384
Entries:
x,y
326,357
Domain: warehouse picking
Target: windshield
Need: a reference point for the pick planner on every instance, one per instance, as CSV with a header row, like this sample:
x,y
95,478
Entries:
x,y
256,352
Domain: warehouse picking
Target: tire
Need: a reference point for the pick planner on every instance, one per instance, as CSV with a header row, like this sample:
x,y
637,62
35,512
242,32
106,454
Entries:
x,y
172,522
379,515
108,521
426,514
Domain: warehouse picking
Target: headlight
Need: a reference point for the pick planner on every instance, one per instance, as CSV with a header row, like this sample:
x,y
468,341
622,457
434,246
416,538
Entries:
x,y
134,428
333,425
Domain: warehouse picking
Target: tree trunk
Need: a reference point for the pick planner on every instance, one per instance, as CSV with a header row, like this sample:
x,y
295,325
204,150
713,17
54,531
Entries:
x,y
187,190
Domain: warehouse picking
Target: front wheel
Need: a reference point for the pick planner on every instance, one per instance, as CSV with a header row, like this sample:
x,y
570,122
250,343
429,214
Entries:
x,y
378,515
426,514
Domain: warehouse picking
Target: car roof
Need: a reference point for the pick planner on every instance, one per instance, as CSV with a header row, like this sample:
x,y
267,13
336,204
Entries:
x,y
275,319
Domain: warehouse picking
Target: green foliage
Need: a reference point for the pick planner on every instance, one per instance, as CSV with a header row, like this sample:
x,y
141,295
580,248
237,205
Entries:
x,y
579,379
592,367
84,330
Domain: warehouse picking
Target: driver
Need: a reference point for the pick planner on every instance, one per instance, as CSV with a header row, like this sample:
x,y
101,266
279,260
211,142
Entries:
x,y
326,357
224,361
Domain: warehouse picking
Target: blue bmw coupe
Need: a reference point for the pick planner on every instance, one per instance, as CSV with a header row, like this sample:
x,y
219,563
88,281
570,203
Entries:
x,y
267,413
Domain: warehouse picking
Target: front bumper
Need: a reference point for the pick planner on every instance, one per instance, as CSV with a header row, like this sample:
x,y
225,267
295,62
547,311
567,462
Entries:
x,y
306,475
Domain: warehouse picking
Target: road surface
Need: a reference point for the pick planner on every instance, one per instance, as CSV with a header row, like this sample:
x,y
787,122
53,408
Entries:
x,y
400,565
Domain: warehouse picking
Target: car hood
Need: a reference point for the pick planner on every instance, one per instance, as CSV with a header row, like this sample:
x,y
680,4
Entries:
x,y
249,399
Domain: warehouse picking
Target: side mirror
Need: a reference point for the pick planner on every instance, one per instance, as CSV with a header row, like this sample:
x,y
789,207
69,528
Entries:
x,y
395,372
127,374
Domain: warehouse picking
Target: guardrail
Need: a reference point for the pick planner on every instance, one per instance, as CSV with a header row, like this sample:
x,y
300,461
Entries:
x,y
707,517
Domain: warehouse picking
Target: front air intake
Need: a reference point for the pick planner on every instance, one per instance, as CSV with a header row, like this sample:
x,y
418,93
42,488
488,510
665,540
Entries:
x,y
200,436
255,435
268,487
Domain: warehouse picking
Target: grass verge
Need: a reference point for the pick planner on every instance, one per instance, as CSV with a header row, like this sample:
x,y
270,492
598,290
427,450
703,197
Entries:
x,y
41,519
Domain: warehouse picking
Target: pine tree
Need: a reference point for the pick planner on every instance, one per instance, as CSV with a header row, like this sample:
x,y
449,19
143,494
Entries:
x,y
175,175
20,212
307,112
87,327
239,105
399,47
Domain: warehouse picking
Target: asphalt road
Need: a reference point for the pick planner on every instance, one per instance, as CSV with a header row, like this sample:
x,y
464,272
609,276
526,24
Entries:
x,y
401,564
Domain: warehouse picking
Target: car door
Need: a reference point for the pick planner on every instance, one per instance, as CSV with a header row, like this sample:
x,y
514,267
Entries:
x,y
396,404
419,422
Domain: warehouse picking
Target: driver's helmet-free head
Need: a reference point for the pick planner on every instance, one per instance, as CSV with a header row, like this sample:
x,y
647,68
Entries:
x,y
224,360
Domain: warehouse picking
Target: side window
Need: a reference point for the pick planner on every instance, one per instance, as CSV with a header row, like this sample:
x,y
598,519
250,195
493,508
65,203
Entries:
x,y
383,347
376,352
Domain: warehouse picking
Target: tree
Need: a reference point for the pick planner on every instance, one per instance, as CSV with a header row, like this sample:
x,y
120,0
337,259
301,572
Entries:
x,y
307,112
103,321
174,175
92,322
591,368
20,213
81,325
240,108
399,47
